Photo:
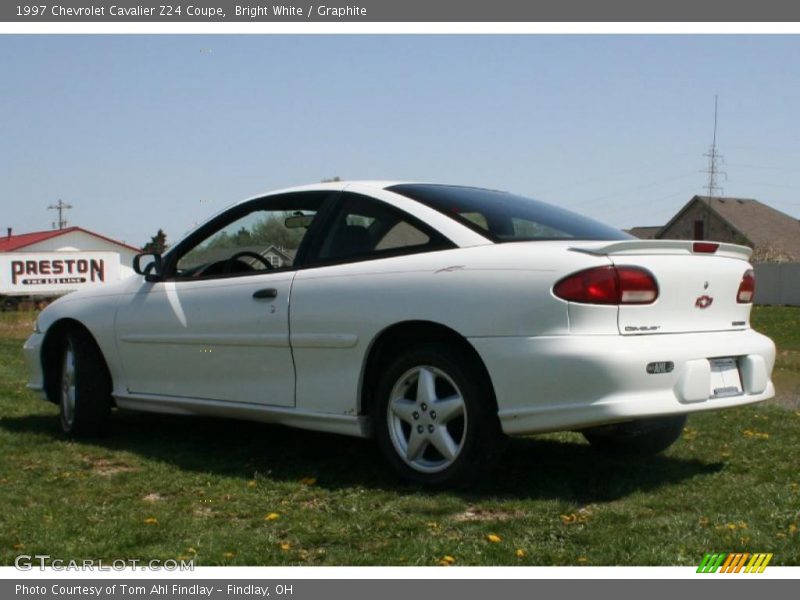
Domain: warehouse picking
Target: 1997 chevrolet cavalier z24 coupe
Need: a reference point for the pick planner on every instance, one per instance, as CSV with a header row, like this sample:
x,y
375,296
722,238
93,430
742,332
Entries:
x,y
434,318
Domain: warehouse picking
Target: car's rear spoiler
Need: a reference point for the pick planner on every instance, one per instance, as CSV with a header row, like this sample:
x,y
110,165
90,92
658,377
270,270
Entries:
x,y
639,247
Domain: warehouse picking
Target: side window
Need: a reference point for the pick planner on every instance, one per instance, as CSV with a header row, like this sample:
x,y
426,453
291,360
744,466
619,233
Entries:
x,y
261,236
364,228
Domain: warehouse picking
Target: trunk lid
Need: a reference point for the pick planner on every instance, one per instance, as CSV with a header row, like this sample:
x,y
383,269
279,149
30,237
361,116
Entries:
x,y
697,290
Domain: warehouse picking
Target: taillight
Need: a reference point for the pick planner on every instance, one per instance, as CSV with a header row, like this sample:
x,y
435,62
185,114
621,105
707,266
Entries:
x,y
747,288
608,285
705,247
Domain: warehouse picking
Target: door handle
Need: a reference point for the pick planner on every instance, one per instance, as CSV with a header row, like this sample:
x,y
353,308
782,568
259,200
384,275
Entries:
x,y
265,293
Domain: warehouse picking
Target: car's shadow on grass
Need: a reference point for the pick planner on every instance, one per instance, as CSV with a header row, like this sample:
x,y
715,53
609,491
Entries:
x,y
530,468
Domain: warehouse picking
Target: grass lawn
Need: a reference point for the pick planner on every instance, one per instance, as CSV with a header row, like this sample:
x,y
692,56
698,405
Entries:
x,y
224,492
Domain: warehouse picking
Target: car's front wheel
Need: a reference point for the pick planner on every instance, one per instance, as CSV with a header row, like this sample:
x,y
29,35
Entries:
x,y
84,386
435,420
642,437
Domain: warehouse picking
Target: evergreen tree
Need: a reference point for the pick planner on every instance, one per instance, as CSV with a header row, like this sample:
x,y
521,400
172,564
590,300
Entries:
x,y
157,244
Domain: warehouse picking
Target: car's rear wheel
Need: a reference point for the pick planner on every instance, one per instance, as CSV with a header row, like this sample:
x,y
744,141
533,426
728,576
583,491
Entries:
x,y
84,386
435,420
642,437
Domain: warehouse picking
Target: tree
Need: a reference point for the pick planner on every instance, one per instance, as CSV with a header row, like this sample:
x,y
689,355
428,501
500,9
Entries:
x,y
157,244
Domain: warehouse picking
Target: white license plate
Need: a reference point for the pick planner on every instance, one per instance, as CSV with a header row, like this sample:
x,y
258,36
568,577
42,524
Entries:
x,y
725,378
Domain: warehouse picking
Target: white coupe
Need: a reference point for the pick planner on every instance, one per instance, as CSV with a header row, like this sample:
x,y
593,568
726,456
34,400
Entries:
x,y
437,319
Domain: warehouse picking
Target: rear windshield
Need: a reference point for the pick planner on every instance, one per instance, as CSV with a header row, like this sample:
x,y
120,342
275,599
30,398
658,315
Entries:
x,y
504,217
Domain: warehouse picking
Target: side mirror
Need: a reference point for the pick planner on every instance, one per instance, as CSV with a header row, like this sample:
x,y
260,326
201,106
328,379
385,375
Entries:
x,y
152,266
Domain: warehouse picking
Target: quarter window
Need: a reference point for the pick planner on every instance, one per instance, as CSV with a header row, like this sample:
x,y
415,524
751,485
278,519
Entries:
x,y
364,228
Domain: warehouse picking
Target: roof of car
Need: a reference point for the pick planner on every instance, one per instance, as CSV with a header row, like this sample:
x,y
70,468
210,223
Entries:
x,y
339,185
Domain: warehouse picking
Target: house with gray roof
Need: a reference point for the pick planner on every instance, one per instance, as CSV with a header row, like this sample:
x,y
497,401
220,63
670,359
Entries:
x,y
773,235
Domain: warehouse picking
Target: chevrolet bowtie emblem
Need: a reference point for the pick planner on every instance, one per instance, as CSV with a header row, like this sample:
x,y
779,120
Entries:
x,y
703,302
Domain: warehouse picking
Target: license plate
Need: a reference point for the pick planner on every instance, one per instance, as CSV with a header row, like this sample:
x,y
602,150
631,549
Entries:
x,y
725,378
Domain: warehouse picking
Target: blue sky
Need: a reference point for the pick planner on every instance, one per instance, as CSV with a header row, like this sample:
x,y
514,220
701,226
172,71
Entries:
x,y
141,132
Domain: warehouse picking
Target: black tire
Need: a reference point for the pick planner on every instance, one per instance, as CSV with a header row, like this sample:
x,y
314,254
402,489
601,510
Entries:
x,y
84,399
642,437
476,434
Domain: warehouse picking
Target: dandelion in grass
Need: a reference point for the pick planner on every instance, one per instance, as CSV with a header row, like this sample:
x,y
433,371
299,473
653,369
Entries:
x,y
447,560
251,483
494,538
572,518
521,553
758,435
151,521
273,516
286,546
229,554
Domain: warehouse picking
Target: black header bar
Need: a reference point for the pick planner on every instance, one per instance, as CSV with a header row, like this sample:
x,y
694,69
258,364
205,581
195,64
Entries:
x,y
366,11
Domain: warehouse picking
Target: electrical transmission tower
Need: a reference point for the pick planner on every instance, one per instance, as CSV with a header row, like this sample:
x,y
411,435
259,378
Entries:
x,y
60,207
715,159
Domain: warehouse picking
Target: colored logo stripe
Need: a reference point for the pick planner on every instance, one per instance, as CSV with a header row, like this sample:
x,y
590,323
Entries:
x,y
758,563
711,563
734,562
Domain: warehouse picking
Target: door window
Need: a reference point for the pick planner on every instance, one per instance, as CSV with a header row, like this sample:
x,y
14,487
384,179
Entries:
x,y
257,237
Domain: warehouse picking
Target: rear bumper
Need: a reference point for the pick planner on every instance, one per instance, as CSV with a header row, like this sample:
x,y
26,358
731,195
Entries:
x,y
570,382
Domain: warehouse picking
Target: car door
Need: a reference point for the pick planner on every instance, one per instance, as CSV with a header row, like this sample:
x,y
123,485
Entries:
x,y
356,279
216,327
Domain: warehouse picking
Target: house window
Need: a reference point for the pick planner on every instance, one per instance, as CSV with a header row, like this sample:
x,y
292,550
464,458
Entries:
x,y
275,261
698,230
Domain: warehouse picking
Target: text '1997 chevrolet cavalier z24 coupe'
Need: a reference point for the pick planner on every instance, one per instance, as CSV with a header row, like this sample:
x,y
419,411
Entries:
x,y
435,318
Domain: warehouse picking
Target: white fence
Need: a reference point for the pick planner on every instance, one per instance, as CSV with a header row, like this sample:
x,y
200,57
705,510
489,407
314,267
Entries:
x,y
778,283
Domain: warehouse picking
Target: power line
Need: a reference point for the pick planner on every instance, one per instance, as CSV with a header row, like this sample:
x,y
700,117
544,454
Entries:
x,y
764,167
618,193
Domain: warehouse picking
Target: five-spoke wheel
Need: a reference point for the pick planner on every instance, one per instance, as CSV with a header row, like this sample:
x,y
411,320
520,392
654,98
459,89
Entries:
x,y
67,399
427,419
435,416
84,385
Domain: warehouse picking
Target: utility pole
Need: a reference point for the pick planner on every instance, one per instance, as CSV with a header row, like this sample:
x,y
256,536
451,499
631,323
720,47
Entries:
x,y
60,207
714,172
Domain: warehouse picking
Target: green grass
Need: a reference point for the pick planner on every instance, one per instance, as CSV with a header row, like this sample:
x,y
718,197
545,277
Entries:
x,y
169,487
781,323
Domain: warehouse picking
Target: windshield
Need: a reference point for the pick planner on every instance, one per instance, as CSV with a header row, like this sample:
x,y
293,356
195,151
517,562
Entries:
x,y
504,217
